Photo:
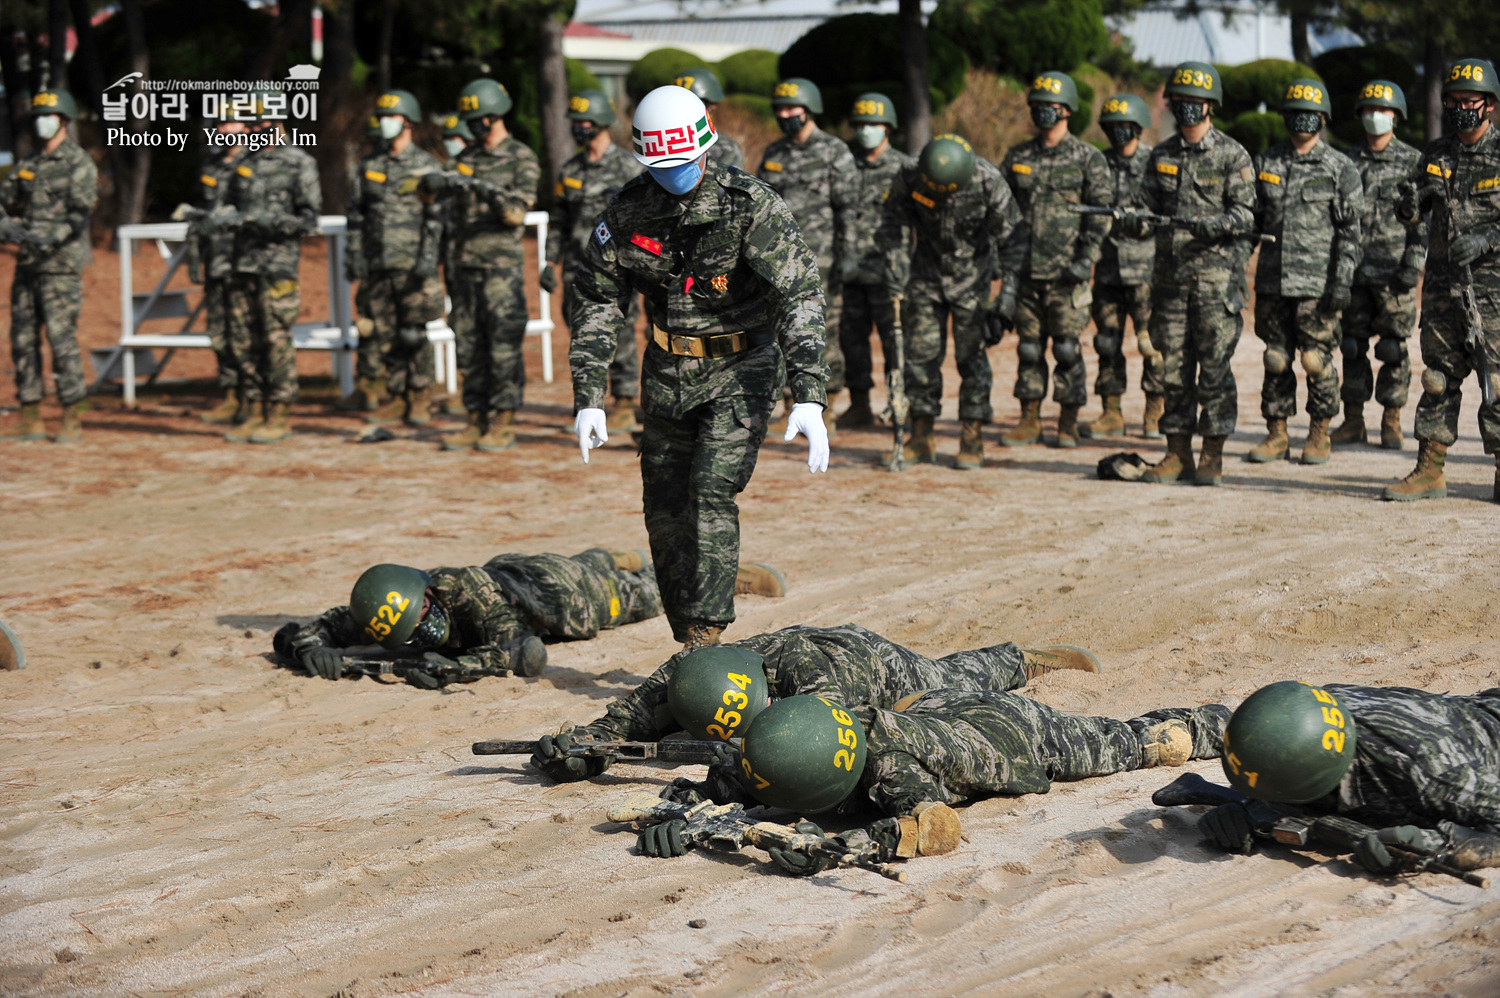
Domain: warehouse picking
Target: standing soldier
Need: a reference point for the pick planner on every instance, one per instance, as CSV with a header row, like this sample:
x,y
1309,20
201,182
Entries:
x,y
735,309
587,182
706,86
966,226
1202,179
211,261
45,203
1311,200
273,203
1048,174
1122,281
867,303
369,381
456,138
490,191
1457,180
815,175
1383,300
395,235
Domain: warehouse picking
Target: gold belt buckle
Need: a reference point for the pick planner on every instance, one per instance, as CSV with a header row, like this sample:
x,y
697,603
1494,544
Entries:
x,y
688,346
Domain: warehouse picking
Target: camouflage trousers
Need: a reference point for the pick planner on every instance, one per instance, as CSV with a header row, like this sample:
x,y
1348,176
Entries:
x,y
574,598
489,327
1443,328
216,321
833,314
866,307
1113,304
400,304
625,367
261,312
1290,327
925,312
692,468
1377,312
1196,329
51,301
1059,311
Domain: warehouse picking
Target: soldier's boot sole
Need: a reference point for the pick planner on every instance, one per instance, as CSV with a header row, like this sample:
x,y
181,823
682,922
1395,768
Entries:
x,y
1438,489
630,561
759,579
1176,467
1167,743
222,414
276,428
932,829
241,434
1390,430
530,658
1426,480
1040,661
28,427
465,439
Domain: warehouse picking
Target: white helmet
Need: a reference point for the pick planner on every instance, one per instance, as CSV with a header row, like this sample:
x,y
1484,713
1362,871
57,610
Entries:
x,y
671,127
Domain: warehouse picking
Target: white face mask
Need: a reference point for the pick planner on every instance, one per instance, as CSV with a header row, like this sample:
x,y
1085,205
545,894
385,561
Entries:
x,y
47,126
870,136
391,126
1377,122
454,146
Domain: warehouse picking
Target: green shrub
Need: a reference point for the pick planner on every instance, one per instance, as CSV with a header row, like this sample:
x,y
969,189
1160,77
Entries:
x,y
1248,85
751,104
753,71
1257,132
657,69
1346,70
1023,38
580,78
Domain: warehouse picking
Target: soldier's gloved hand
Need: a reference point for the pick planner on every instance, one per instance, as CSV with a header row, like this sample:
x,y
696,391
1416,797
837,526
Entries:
x,y
1335,299
684,791
800,864
589,425
664,840
551,756
1372,854
994,324
1210,228
806,418
1005,302
1079,270
1409,205
1136,225
1469,247
1404,279
224,218
1229,827
325,662
548,278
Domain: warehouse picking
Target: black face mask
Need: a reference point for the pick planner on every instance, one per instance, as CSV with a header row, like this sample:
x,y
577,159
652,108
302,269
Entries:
x,y
1463,119
583,132
793,124
1302,122
1120,133
1188,113
1044,115
432,632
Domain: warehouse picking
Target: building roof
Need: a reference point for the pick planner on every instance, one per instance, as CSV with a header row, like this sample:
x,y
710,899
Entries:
x,y
1231,32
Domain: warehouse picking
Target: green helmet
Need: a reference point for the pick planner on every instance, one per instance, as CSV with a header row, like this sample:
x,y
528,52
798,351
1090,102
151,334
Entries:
x,y
803,754
946,164
483,97
401,102
591,105
1289,743
1477,75
386,603
794,91
1126,108
873,109
1053,87
454,125
702,82
1304,94
716,691
54,102
1196,79
1382,93
372,127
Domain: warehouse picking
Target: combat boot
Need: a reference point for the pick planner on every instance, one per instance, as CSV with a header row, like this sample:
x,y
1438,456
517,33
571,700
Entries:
x,y
858,415
466,438
922,447
970,446
28,427
1151,422
830,422
277,427
453,405
1166,743
630,561
418,407
1318,447
932,829
224,413
1426,480
528,657
391,412
1111,424
1067,427
1390,430
621,418
364,398
1040,661
1211,462
1177,466
252,423
501,434
71,430
701,635
1352,430
1029,429
758,579
1274,447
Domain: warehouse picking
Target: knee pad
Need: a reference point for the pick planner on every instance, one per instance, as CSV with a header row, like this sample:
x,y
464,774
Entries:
x,y
1434,382
1313,363
1389,350
1107,344
1065,351
1029,351
1351,347
1276,360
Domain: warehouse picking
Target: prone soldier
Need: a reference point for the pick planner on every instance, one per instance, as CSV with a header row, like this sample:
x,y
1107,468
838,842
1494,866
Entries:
x,y
705,85
211,261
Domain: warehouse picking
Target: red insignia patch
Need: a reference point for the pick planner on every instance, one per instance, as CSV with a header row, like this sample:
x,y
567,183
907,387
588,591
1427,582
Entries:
x,y
647,243
720,283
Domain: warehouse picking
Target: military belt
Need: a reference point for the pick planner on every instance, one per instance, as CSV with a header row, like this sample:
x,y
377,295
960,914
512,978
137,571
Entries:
x,y
721,345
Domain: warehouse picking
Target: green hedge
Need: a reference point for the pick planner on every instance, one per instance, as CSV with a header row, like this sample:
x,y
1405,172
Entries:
x,y
1023,38
1257,132
579,77
1248,85
753,71
657,69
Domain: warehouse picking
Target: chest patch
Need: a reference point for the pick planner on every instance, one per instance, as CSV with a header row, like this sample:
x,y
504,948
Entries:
x,y
720,283
1438,171
25,174
602,233
646,243
1487,184
1170,169
244,171
466,169
1270,178
375,176
771,165
208,181
923,200
573,182
1022,168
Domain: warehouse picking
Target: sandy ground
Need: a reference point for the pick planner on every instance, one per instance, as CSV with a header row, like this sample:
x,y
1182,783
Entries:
x,y
179,816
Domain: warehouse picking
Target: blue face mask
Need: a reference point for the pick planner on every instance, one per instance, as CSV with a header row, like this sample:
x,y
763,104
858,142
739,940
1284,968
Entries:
x,y
680,179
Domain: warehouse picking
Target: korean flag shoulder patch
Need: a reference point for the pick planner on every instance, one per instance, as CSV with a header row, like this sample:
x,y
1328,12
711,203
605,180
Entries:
x,y
602,233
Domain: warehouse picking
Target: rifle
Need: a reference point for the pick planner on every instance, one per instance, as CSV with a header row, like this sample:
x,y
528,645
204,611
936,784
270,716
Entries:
x,y
895,381
402,668
1293,826
1163,221
1474,337
12,231
725,828
679,751
208,221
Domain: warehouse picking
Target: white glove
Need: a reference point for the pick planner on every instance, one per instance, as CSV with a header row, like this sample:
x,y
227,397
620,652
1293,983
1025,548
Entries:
x,y
806,418
589,425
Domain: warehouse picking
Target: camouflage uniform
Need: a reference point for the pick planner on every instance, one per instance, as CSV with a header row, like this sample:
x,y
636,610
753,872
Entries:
x,y
1122,282
398,237
1312,204
1377,309
820,183
213,257
727,152
276,192
1198,285
489,289
1048,303
52,195
510,598
961,241
582,192
726,260
867,302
